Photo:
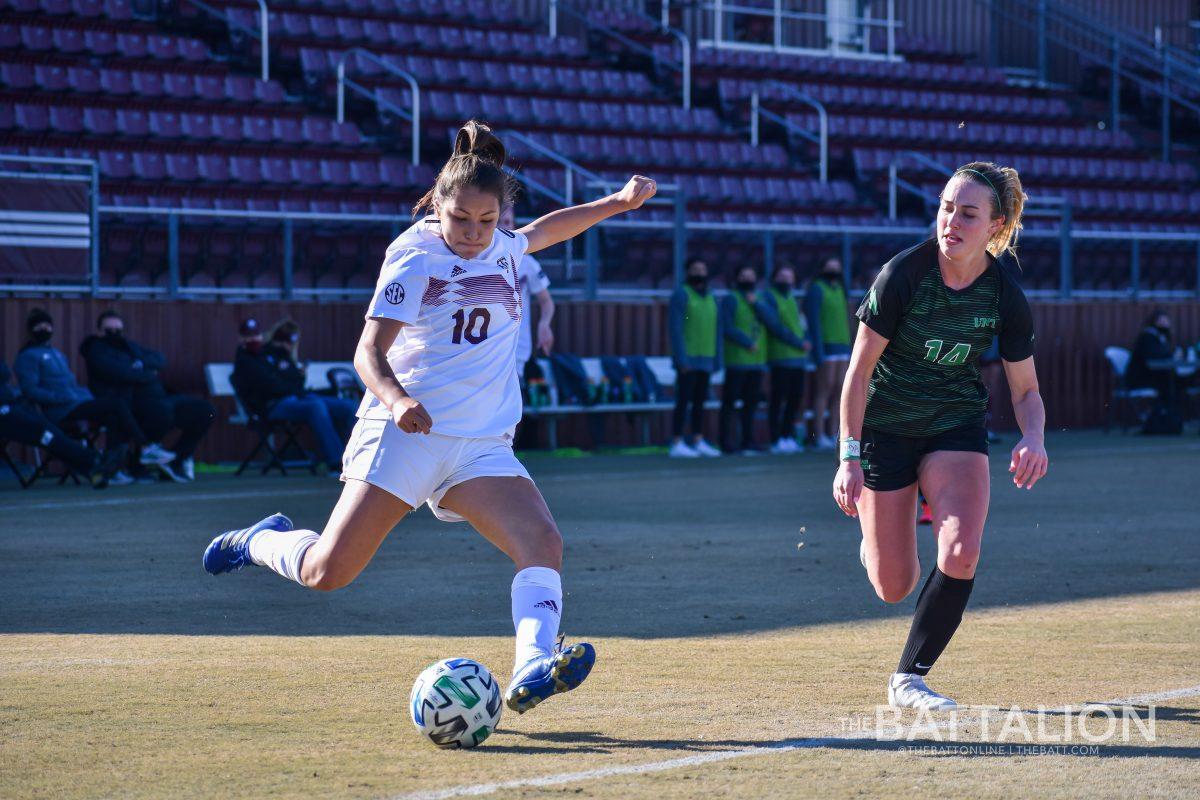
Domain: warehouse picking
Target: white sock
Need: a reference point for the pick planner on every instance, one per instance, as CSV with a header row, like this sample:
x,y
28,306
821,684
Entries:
x,y
536,609
282,551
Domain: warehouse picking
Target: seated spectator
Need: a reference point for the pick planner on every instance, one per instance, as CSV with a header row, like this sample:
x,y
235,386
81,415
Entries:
x,y
122,369
46,379
1153,343
20,422
271,382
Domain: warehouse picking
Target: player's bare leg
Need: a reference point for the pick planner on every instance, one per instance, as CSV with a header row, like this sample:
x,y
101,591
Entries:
x,y
957,486
511,513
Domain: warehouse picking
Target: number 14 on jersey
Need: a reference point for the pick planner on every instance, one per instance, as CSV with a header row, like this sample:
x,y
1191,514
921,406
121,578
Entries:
x,y
957,354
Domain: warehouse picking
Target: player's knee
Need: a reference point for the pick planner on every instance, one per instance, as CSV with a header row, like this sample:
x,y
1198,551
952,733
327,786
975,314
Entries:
x,y
543,546
893,586
325,577
958,558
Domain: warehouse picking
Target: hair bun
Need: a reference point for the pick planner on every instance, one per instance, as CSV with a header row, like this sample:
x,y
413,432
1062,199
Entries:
x,y
476,139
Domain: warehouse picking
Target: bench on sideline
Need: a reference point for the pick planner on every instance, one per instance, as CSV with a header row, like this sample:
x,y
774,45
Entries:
x,y
663,371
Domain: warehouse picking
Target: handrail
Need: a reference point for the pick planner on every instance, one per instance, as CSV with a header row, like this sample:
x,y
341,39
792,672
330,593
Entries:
x,y
685,53
684,68
414,87
822,136
263,35
895,181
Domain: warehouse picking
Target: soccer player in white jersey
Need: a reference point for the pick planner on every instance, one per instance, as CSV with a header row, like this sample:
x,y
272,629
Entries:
x,y
534,286
437,356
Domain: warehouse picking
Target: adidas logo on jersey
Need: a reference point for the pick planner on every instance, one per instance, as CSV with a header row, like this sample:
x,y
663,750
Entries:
x,y
502,263
454,273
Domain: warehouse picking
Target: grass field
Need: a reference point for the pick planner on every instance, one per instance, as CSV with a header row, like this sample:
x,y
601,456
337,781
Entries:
x,y
732,662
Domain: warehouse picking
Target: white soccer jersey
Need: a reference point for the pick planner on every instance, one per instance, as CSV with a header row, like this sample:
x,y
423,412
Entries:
x,y
533,281
462,319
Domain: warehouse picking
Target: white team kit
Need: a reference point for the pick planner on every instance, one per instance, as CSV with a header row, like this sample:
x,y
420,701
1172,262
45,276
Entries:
x,y
533,281
456,355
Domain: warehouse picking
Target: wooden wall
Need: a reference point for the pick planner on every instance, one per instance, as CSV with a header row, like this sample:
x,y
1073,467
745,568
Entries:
x,y
1071,339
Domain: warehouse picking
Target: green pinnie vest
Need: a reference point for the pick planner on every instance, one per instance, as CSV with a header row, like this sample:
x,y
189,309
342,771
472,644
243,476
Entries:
x,y
700,324
835,322
745,320
791,318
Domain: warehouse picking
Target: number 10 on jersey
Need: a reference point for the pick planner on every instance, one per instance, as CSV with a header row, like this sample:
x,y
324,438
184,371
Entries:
x,y
473,327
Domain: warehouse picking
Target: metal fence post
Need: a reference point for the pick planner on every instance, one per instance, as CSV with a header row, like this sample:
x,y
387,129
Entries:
x,y
1065,255
288,255
1041,41
681,245
754,118
568,246
591,250
173,254
94,267
1198,269
553,19
1166,112
1135,267
847,255
768,255
1114,89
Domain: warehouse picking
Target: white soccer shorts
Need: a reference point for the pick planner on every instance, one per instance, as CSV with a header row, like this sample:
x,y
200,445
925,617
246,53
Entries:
x,y
421,468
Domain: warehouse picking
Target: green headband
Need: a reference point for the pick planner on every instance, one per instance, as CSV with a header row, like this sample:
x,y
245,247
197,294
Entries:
x,y
999,205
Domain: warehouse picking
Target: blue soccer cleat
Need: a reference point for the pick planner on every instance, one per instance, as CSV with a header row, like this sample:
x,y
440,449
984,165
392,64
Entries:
x,y
561,671
230,551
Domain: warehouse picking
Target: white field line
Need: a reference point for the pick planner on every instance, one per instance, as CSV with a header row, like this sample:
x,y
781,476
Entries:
x,y
480,789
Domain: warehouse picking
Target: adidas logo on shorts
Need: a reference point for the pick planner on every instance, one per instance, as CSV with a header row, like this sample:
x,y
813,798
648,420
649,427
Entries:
x,y
550,604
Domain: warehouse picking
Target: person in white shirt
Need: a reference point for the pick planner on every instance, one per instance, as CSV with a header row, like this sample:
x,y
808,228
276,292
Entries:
x,y
437,356
534,285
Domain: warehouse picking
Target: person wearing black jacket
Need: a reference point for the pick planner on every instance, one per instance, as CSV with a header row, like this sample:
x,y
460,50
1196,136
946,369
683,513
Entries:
x,y
270,382
121,368
21,422
1152,343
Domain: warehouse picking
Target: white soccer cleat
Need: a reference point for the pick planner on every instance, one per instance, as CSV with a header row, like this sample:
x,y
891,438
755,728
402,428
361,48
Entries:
x,y
826,443
906,690
780,448
707,450
681,450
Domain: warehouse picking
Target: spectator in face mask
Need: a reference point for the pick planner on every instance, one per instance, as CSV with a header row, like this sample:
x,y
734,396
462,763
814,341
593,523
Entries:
x,y
271,382
787,355
123,369
745,361
21,422
1153,342
696,345
46,379
829,327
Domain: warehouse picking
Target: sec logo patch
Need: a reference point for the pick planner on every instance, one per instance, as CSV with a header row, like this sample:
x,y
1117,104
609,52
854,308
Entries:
x,y
394,294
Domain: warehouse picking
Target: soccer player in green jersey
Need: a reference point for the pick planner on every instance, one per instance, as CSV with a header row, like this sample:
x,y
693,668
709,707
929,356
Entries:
x,y
913,409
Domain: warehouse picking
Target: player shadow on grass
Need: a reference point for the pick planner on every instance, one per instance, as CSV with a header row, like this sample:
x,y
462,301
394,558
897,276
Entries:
x,y
593,742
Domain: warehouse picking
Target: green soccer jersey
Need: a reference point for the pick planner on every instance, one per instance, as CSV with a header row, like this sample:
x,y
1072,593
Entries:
x,y
927,379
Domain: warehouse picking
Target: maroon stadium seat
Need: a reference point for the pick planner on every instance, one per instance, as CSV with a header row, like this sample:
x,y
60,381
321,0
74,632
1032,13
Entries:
x,y
132,45
69,40
181,86
17,76
131,122
149,166
245,169
164,48
115,164
100,121
166,124
100,43
276,169
336,172
257,129
210,88
196,125
306,171
66,120
182,167
287,130
213,168
84,80
118,9
31,118
239,88
227,127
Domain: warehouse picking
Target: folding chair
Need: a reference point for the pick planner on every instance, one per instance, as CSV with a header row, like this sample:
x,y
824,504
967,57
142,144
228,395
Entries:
x,y
1122,396
26,476
344,383
269,431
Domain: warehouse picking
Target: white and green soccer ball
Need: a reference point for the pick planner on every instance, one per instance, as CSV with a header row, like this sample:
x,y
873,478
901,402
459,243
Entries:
x,y
456,703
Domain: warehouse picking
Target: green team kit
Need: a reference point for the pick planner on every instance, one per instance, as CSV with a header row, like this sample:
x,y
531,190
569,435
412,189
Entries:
x,y
926,393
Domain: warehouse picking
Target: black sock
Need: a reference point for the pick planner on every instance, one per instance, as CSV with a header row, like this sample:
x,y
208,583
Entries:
x,y
940,608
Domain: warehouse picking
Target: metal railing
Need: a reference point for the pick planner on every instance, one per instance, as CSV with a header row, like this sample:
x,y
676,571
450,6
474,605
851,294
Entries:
x,y
820,138
684,67
1124,56
263,34
414,88
722,13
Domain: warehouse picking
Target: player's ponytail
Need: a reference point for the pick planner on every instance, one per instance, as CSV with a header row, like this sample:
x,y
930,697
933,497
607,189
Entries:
x,y
1008,199
477,161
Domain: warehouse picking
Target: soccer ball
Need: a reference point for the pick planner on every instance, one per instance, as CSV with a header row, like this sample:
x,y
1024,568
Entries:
x,y
456,703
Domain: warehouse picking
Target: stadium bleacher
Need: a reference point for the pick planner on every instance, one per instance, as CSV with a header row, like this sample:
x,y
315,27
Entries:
x,y
166,104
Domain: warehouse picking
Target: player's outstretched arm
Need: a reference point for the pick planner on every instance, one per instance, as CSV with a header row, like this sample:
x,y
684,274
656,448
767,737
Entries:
x,y
558,226
370,361
1029,460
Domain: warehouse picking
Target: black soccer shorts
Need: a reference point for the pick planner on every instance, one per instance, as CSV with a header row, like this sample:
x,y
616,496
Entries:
x,y
890,461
